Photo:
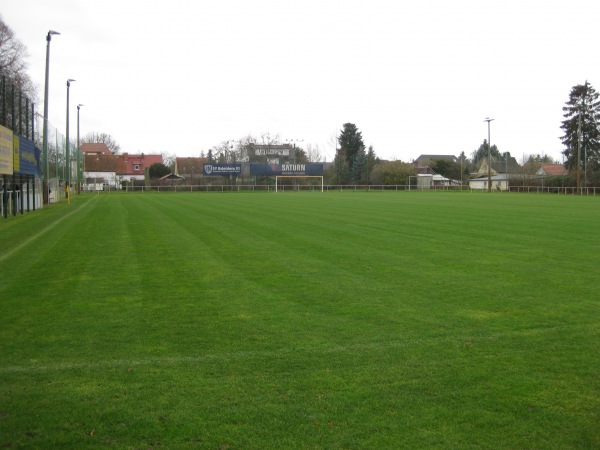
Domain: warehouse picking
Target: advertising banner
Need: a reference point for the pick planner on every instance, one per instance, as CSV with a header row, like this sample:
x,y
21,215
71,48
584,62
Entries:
x,y
27,157
6,151
272,152
221,169
309,169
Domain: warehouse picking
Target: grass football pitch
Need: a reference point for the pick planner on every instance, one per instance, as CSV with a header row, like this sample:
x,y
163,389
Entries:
x,y
302,320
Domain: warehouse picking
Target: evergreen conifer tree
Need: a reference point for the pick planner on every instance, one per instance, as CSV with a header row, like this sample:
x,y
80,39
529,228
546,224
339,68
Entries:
x,y
351,151
581,127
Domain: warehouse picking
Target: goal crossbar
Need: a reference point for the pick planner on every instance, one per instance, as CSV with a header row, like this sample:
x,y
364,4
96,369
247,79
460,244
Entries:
x,y
296,176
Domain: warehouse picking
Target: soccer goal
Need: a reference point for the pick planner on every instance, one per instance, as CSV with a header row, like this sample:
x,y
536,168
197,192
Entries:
x,y
296,176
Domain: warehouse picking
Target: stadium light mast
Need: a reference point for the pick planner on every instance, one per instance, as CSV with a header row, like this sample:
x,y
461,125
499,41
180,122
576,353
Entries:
x,y
580,142
79,158
488,120
68,150
45,128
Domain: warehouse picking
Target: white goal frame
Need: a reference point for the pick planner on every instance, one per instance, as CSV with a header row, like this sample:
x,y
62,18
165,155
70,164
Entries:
x,y
296,176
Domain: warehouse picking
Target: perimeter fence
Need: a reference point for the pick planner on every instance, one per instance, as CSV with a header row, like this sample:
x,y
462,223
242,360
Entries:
x,y
593,191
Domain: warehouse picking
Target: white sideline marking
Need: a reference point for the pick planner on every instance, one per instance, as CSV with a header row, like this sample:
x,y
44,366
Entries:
x,y
41,233
174,360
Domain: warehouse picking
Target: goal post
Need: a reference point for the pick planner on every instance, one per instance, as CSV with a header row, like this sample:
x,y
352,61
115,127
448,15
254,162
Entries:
x,y
296,176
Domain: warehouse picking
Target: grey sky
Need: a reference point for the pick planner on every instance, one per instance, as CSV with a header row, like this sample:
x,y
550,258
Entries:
x,y
415,77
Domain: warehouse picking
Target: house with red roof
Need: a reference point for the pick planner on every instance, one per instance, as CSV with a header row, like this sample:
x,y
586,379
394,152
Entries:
x,y
133,167
98,148
103,170
549,170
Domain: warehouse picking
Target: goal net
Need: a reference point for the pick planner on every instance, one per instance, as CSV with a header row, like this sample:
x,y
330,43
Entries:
x,y
281,186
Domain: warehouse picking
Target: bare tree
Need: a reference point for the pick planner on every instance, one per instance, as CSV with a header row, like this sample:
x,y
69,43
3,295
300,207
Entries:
x,y
225,152
243,147
270,139
95,137
13,61
313,153
332,143
169,160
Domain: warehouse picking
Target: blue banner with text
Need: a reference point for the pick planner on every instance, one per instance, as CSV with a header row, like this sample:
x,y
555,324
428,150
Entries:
x,y
309,169
221,169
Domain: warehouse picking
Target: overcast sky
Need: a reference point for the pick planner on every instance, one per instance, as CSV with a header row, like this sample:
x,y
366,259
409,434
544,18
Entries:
x,y
415,77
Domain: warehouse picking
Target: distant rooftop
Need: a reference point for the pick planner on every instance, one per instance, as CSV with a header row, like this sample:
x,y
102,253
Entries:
x,y
427,160
95,148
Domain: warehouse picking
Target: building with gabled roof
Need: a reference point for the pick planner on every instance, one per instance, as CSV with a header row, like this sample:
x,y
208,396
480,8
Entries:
x,y
508,166
549,170
98,148
113,170
132,167
428,160
100,171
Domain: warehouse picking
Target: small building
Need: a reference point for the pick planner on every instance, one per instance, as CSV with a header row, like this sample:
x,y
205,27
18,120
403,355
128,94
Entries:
x,y
428,178
498,183
100,171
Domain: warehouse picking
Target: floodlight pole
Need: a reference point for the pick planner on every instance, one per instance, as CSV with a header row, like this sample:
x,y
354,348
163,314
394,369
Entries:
x,y
68,156
579,154
580,139
45,163
488,120
79,169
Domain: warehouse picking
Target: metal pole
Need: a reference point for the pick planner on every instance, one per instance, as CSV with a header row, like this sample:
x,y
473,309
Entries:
x,y
45,132
68,155
585,146
580,141
579,154
488,120
506,165
79,171
543,171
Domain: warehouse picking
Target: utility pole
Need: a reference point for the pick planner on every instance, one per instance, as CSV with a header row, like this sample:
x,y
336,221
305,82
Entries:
x,y
488,120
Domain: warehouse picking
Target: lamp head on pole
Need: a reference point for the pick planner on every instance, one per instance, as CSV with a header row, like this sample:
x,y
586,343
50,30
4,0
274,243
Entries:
x,y
50,33
69,81
79,106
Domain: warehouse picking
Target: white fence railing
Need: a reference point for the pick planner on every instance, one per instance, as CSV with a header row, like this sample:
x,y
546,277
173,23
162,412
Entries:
x,y
342,188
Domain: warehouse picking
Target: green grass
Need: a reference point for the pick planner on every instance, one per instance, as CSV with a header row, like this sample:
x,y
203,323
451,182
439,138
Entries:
x,y
302,320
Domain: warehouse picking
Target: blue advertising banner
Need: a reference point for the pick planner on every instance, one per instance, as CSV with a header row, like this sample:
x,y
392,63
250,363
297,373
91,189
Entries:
x,y
26,157
221,169
310,169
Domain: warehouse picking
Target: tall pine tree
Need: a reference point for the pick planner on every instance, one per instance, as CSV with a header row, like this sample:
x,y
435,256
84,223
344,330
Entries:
x,y
351,151
581,127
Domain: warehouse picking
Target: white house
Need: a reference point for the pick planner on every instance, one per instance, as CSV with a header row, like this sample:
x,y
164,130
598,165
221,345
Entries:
x,y
98,181
499,183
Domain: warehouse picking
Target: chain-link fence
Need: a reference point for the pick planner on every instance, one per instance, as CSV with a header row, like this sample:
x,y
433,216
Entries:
x,y
32,173
57,166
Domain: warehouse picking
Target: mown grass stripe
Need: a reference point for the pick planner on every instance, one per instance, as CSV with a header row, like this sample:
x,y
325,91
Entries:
x,y
284,353
411,320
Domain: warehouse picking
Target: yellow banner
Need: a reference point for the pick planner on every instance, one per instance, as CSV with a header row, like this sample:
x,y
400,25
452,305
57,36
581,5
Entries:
x,y
6,151
16,154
